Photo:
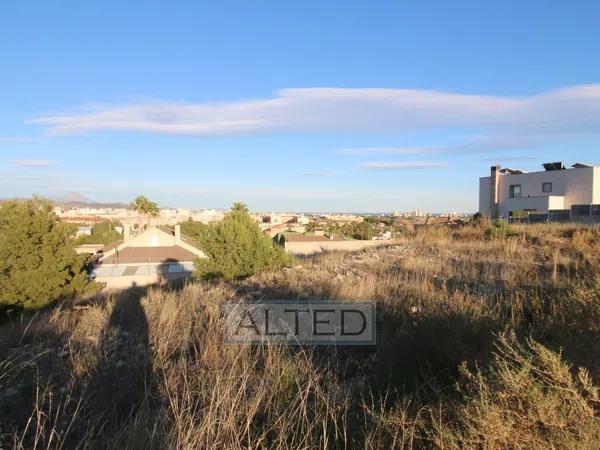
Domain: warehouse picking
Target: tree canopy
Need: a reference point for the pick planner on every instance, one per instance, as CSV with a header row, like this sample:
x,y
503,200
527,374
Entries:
x,y
144,206
236,247
193,229
360,230
239,207
38,262
102,233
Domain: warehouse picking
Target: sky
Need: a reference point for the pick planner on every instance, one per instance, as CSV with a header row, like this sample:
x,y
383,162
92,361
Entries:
x,y
325,106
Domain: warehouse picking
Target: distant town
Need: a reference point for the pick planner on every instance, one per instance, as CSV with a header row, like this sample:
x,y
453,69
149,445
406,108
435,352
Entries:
x,y
77,206
88,214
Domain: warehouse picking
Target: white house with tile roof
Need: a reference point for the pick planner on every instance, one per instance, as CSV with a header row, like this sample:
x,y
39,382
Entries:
x,y
154,255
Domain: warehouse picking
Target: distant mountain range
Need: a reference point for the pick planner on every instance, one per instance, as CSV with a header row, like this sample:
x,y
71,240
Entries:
x,y
72,197
77,200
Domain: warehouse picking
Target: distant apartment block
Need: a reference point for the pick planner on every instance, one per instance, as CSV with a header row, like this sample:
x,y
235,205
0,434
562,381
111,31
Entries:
x,y
554,188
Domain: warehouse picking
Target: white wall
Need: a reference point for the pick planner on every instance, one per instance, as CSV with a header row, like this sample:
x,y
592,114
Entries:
x,y
596,199
519,204
310,248
153,237
484,195
556,202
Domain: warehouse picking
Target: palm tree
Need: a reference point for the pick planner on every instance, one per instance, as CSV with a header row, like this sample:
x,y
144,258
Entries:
x,y
144,207
239,207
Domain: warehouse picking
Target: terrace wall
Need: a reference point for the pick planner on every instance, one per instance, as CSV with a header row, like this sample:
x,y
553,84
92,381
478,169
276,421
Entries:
x,y
311,248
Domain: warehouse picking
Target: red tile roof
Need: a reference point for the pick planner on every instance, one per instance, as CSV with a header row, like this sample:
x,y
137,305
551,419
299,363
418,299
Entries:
x,y
131,255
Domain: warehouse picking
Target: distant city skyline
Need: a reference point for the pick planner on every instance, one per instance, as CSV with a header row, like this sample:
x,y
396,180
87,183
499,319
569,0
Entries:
x,y
312,106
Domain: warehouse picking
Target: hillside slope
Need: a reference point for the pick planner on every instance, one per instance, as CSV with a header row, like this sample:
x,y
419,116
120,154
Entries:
x,y
469,331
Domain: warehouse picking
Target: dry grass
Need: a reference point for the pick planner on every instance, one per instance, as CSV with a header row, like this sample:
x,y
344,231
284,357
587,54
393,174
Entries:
x,y
149,368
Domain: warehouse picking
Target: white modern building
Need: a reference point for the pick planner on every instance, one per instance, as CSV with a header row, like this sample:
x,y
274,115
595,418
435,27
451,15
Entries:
x,y
555,188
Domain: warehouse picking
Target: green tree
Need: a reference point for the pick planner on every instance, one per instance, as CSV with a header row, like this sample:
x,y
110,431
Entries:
x,y
144,207
311,226
193,229
362,230
358,230
38,263
102,233
239,207
236,248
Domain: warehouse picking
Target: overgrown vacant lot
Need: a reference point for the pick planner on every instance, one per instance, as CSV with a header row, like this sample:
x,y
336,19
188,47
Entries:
x,y
484,341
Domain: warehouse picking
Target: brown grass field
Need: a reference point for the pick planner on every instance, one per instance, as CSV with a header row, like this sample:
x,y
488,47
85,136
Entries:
x,y
482,344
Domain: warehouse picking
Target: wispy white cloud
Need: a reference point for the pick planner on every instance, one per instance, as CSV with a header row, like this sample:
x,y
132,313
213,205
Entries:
x,y
33,162
480,144
506,159
316,174
16,139
390,151
394,165
569,110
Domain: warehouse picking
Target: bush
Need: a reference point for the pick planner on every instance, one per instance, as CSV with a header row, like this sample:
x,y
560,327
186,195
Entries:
x,y
361,230
500,229
528,399
479,220
38,263
236,248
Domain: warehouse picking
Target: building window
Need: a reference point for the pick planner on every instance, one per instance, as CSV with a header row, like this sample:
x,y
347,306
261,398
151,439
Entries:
x,y
546,187
514,191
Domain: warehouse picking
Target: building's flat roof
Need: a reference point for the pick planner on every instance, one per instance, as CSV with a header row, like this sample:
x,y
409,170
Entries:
x,y
567,169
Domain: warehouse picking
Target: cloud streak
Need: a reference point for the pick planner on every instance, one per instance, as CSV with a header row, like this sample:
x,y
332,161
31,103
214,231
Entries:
x,y
16,139
472,145
316,174
340,110
394,165
390,151
33,162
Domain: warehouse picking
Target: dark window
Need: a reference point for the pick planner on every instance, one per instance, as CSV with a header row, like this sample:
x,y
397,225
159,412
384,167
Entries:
x,y
514,191
546,187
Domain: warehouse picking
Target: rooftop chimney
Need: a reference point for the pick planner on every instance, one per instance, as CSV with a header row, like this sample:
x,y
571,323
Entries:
x,y
126,232
177,234
494,188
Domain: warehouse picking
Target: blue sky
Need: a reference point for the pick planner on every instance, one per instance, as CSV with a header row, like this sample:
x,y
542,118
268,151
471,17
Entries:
x,y
312,105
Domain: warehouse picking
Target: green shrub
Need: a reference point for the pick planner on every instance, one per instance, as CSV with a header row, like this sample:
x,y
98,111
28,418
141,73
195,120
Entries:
x,y
500,229
520,214
236,248
38,263
529,398
360,230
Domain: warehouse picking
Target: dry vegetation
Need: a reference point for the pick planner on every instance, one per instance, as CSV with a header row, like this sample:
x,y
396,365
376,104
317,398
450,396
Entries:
x,y
482,343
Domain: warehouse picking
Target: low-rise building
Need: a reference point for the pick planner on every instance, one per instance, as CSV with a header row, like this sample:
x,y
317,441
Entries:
x,y
554,188
154,255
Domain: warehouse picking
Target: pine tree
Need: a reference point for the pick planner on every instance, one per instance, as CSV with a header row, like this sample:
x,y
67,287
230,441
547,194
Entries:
x,y
236,248
38,262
